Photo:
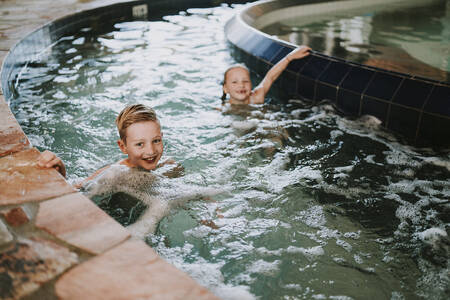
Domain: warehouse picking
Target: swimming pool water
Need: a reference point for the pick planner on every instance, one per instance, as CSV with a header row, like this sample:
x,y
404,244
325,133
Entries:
x,y
405,36
307,204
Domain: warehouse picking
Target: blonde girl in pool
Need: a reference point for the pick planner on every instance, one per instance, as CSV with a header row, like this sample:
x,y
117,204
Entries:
x,y
237,83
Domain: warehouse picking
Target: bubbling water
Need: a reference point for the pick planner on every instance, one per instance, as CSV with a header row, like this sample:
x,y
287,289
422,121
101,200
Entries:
x,y
280,201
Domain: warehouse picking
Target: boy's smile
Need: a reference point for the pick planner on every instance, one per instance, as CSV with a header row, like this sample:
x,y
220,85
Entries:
x,y
143,145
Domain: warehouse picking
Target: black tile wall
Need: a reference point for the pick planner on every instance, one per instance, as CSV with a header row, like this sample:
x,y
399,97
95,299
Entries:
x,y
325,91
269,52
374,107
383,86
335,73
279,55
412,93
439,101
288,82
434,130
297,65
306,87
349,102
403,121
357,79
316,66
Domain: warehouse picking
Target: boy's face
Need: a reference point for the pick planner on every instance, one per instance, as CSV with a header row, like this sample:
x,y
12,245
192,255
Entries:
x,y
144,144
238,84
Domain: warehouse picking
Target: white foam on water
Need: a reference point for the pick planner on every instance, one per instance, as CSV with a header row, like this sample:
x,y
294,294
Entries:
x,y
313,217
346,169
265,251
345,245
205,273
347,192
158,192
432,236
264,267
335,133
198,232
310,253
244,125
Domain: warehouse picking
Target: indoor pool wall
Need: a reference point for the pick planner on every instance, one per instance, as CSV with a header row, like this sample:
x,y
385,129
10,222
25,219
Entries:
x,y
416,108
55,242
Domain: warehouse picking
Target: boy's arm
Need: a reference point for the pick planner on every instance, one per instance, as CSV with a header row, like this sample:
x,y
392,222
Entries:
x,y
48,159
263,88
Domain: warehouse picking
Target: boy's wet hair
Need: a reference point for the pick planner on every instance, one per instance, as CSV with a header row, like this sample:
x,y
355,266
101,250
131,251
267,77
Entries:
x,y
133,114
224,95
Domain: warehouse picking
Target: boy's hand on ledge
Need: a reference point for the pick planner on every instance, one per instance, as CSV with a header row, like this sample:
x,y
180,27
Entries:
x,y
298,53
48,159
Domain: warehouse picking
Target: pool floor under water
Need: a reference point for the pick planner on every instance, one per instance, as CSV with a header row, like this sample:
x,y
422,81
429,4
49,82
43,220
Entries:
x,y
279,201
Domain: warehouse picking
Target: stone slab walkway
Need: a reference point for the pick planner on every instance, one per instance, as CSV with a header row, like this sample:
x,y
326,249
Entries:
x,y
54,242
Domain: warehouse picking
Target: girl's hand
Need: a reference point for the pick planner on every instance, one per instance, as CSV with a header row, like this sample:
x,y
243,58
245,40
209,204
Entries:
x,y
298,53
48,159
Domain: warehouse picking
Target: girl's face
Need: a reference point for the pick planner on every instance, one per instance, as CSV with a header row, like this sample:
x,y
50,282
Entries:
x,y
144,145
238,85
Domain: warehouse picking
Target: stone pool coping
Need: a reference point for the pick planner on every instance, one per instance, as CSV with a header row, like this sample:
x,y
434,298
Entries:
x,y
55,242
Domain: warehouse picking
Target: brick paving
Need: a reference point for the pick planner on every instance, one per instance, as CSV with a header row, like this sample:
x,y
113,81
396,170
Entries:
x,y
54,242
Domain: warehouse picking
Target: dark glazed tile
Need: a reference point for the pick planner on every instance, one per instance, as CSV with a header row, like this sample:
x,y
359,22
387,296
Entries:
x,y
288,82
374,107
269,52
297,65
349,102
412,93
357,79
314,67
260,67
324,91
335,72
383,86
434,130
281,54
403,121
439,101
305,87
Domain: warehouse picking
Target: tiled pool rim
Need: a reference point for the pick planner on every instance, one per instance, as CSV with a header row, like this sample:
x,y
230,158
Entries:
x,y
54,242
415,108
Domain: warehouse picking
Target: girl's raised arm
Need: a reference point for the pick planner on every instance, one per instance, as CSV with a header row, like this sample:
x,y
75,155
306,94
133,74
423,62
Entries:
x,y
260,92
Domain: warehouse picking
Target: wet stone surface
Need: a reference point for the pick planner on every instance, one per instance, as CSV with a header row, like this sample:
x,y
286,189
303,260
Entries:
x,y
27,264
12,137
26,182
5,235
129,271
15,216
78,221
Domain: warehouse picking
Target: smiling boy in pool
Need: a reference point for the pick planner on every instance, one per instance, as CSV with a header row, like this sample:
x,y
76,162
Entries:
x,y
237,83
141,139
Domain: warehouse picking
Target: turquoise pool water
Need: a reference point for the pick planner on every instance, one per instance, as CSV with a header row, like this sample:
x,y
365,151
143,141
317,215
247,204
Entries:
x,y
281,201
411,37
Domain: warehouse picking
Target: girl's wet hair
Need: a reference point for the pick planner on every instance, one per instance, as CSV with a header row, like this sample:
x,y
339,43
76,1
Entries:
x,y
133,114
224,95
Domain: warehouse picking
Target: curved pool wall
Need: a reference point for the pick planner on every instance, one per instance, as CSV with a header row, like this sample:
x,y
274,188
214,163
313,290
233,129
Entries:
x,y
415,108
55,242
